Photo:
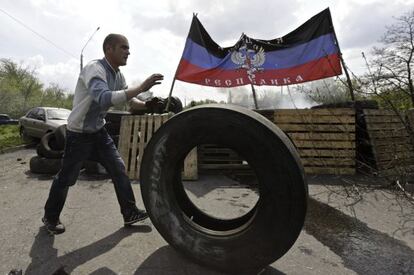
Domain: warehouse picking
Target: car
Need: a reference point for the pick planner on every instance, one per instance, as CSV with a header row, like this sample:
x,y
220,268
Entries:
x,y
6,120
41,120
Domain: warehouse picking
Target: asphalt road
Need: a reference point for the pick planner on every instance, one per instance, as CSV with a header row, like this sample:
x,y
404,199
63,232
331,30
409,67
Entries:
x,y
351,228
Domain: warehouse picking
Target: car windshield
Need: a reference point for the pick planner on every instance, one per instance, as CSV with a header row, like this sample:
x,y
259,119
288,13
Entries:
x,y
60,114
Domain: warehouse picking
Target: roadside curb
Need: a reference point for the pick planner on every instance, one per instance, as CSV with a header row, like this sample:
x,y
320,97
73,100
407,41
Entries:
x,y
17,148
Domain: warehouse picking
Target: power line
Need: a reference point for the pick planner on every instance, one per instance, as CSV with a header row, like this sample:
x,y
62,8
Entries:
x,y
35,32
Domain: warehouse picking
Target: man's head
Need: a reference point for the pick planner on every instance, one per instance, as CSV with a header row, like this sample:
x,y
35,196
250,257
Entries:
x,y
116,49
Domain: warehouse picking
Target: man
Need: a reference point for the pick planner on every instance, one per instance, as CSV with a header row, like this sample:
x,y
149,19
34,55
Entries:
x,y
100,86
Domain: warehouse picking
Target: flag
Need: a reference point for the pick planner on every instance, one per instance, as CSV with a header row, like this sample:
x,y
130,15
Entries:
x,y
310,52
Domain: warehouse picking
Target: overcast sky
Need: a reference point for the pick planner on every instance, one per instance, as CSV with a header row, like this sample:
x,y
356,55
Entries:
x,y
50,34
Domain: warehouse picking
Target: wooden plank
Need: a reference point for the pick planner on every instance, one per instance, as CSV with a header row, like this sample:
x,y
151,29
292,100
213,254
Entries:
x,y
322,136
142,142
385,126
389,133
124,140
313,119
191,166
393,148
392,142
319,111
327,170
379,112
324,144
383,119
136,133
331,162
157,122
347,128
326,153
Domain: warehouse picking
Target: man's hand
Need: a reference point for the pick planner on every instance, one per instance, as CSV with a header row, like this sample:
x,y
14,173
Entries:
x,y
154,79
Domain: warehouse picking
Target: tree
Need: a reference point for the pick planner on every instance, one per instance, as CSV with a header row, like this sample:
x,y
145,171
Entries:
x,y
20,90
19,82
393,63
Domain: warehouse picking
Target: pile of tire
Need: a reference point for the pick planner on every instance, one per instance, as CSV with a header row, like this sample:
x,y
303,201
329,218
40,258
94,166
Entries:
x,y
49,152
51,147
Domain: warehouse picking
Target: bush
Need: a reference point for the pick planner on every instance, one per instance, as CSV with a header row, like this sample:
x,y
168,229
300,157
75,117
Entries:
x,y
9,136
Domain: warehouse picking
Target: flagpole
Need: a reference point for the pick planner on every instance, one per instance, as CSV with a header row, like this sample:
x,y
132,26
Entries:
x,y
348,78
175,75
254,96
169,96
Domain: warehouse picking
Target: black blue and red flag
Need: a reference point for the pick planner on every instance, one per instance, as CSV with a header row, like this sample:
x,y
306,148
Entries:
x,y
308,53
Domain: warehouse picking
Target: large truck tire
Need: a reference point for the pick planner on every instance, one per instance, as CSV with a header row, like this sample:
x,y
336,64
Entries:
x,y
41,165
245,244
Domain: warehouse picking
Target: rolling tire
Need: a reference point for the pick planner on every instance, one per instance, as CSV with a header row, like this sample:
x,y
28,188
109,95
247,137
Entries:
x,y
41,165
60,135
48,148
245,244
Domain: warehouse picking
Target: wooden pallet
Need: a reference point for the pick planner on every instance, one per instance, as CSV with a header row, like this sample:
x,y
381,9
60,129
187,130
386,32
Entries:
x,y
324,138
214,159
390,141
134,135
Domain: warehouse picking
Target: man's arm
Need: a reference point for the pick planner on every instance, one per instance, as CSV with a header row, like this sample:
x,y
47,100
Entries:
x,y
154,79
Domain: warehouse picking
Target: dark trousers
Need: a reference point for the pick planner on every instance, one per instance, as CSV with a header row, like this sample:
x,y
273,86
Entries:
x,y
79,147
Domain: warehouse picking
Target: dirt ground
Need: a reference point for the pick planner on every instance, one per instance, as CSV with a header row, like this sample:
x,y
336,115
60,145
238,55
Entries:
x,y
352,227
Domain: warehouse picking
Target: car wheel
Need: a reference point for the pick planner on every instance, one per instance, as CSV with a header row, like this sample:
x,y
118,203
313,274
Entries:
x,y
245,244
41,165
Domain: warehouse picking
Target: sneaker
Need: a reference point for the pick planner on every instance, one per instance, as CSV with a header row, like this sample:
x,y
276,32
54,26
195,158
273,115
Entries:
x,y
135,216
53,227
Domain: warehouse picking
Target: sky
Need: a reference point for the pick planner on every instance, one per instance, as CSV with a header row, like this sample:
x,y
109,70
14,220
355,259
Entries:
x,y
48,35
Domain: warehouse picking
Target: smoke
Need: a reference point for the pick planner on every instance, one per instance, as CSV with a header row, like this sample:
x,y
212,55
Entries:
x,y
276,98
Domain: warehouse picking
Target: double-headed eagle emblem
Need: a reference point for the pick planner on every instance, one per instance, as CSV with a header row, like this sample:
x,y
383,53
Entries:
x,y
249,58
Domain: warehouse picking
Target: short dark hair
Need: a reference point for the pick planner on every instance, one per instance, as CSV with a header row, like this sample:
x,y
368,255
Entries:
x,y
111,40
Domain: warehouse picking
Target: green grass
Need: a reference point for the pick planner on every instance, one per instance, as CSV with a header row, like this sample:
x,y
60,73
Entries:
x,y
9,136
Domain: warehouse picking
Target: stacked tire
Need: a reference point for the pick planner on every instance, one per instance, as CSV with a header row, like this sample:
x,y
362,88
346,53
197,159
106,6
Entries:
x,y
49,152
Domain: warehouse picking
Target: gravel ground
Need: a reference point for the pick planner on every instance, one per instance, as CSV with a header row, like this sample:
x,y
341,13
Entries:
x,y
351,227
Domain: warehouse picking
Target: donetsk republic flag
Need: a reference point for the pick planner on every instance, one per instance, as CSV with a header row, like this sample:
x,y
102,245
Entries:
x,y
307,53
